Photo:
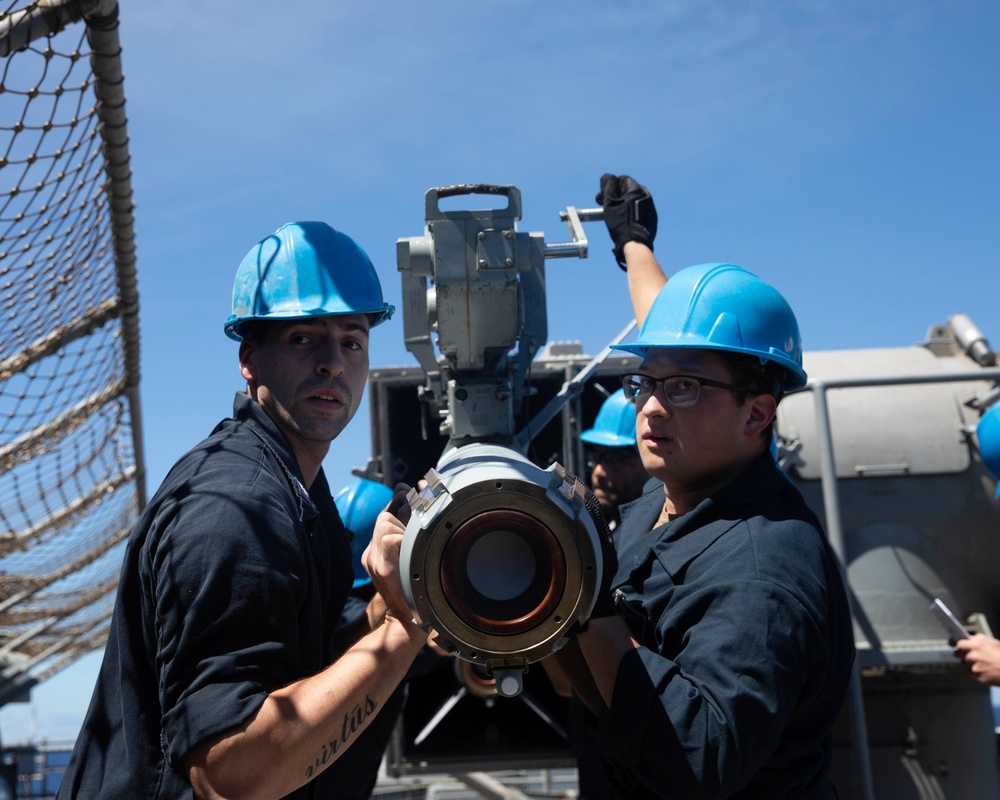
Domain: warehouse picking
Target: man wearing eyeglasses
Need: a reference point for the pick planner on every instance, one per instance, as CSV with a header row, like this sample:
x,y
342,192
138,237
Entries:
x,y
718,665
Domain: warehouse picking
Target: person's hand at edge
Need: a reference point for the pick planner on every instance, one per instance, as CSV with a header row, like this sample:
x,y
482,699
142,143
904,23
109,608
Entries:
x,y
980,654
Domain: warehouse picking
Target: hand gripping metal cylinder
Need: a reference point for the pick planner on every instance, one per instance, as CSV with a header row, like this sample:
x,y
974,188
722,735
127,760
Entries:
x,y
501,558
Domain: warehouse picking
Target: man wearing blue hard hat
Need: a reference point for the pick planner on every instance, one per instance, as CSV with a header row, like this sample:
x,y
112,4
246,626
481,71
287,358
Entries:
x,y
722,658
616,472
222,675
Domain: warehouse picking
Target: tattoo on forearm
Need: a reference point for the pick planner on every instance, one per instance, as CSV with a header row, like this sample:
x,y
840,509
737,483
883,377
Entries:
x,y
352,724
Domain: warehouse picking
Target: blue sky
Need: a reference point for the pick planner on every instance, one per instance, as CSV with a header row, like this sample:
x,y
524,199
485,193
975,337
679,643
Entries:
x,y
844,151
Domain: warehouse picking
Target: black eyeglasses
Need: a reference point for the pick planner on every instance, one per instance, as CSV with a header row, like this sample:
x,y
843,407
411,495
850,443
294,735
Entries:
x,y
681,391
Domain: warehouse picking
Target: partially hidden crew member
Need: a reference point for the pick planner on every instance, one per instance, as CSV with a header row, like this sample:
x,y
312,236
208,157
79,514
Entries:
x,y
616,474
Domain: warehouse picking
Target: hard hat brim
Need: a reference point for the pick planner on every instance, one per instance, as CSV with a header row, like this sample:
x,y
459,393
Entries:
x,y
234,325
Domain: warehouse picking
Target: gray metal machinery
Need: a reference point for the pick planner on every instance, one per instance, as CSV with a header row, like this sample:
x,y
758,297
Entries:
x,y
503,556
883,444
887,446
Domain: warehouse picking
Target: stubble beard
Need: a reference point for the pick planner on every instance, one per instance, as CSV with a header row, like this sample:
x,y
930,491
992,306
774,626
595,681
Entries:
x,y
320,430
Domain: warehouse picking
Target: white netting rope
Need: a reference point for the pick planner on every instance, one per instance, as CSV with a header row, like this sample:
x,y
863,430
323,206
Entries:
x,y
70,476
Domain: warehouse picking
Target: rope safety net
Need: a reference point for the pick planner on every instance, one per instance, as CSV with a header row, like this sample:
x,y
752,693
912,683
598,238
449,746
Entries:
x,y
71,467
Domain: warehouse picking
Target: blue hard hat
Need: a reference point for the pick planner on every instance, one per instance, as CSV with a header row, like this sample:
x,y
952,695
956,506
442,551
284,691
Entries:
x,y
359,504
615,423
724,307
988,434
305,269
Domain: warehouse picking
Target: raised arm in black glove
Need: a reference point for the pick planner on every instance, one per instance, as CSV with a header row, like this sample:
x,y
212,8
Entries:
x,y
629,213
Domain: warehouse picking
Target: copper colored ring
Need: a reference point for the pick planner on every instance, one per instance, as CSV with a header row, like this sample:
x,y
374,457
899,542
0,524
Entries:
x,y
486,615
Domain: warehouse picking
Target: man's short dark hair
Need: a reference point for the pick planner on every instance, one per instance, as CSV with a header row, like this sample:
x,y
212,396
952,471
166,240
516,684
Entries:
x,y
257,328
755,378
254,329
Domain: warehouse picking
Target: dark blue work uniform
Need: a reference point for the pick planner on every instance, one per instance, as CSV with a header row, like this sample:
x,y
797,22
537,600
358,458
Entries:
x,y
746,647
232,584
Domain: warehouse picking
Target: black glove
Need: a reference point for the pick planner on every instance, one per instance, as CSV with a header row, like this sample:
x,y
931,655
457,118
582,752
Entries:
x,y
604,604
629,213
